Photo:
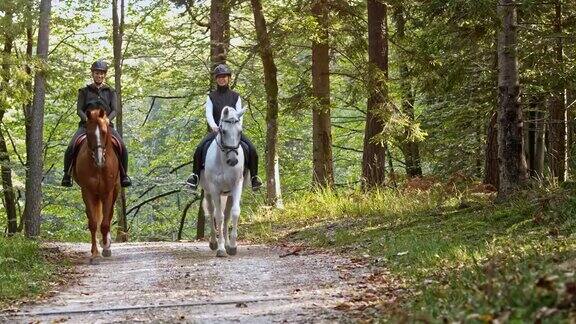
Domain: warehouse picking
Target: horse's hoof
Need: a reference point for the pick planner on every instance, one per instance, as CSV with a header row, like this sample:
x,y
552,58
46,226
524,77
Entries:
x,y
94,261
106,253
213,246
231,250
220,253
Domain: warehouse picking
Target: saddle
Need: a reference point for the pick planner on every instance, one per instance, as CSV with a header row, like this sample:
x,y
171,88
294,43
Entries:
x,y
82,138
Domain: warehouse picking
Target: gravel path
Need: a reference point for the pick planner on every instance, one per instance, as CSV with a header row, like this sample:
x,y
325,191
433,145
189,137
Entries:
x,y
185,282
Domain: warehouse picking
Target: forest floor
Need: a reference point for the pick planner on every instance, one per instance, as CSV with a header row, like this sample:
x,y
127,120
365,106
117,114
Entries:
x,y
185,282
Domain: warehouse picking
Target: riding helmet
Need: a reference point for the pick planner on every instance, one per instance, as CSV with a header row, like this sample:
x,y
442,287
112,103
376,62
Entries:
x,y
222,69
99,65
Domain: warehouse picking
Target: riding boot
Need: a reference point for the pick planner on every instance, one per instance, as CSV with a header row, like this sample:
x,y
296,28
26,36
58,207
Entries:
x,y
192,181
67,179
253,166
198,161
125,180
252,163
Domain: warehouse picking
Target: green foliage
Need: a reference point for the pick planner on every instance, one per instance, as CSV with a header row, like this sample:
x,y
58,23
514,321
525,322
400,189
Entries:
x,y
463,256
24,272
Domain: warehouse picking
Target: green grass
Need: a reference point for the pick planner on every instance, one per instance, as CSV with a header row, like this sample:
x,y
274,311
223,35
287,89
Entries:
x,y
464,257
24,272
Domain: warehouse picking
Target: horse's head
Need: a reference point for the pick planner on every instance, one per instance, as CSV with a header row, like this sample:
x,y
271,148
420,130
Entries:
x,y
97,134
230,133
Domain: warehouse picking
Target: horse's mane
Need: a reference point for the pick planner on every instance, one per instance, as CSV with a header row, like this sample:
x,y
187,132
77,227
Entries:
x,y
95,113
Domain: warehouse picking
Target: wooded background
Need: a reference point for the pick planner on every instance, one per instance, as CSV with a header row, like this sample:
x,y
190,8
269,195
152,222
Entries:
x,y
341,94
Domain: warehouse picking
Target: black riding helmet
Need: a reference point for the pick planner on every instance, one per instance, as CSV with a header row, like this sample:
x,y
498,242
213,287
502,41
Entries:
x,y
99,66
222,69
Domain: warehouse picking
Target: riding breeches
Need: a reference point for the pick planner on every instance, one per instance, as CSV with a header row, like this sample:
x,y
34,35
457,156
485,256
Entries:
x,y
69,154
251,155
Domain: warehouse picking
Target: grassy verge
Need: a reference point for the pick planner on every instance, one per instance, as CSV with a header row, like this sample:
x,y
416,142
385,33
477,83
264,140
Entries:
x,y
24,271
463,257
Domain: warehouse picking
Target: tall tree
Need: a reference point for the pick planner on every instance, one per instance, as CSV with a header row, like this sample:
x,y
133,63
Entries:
x,y
8,189
410,148
321,124
557,108
117,38
35,118
510,133
219,30
491,166
373,159
491,170
273,196
219,42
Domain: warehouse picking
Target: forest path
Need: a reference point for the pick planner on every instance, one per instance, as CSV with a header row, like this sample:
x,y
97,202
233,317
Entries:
x,y
185,282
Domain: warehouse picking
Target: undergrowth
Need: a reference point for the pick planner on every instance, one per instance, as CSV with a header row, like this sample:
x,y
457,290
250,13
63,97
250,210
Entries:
x,y
24,271
464,257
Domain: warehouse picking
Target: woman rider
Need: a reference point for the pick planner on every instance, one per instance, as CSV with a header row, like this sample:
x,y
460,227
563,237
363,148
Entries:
x,y
216,101
96,94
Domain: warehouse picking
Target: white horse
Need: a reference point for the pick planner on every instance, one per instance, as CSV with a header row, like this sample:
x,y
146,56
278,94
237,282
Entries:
x,y
222,180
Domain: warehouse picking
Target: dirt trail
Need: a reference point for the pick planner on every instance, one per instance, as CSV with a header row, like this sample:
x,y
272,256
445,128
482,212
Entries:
x,y
185,282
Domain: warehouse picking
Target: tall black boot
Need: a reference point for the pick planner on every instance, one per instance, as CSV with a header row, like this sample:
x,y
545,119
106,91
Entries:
x,y
67,179
194,179
253,166
125,180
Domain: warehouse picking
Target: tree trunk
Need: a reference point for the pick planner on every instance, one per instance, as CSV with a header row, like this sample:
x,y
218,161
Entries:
x,y
491,174
510,134
323,168
117,37
8,189
201,223
219,31
557,108
571,112
219,43
271,86
531,138
410,148
491,163
33,206
374,157
540,145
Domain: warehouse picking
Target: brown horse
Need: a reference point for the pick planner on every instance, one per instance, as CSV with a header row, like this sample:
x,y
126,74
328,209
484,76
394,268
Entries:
x,y
97,172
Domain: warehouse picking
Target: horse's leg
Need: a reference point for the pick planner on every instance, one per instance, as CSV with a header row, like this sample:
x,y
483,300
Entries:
x,y
234,215
219,225
228,204
108,211
94,213
208,214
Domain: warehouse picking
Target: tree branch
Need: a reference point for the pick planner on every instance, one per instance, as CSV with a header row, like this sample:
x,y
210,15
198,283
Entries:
x,y
14,145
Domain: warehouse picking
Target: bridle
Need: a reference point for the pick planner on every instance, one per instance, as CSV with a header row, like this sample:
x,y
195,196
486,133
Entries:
x,y
103,147
100,144
227,149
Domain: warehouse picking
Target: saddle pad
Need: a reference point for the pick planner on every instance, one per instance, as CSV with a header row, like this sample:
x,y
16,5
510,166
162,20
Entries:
x,y
82,138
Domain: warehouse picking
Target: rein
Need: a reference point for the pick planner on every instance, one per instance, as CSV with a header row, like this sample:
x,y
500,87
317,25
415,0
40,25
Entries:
x,y
227,149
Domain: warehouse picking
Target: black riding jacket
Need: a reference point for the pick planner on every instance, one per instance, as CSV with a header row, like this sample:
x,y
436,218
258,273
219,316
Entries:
x,y
91,93
222,97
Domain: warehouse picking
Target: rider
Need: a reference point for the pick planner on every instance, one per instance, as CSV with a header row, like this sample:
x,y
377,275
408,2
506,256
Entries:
x,y
87,96
215,102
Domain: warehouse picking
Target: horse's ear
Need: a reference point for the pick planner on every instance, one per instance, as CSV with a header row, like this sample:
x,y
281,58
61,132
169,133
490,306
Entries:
x,y
225,112
102,113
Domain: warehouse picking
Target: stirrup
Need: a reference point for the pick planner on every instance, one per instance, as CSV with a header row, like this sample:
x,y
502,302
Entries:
x,y
256,183
192,181
125,181
66,181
